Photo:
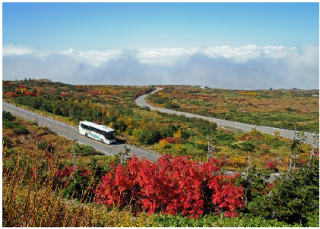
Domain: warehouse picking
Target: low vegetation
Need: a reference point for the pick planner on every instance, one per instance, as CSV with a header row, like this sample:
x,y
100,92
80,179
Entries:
x,y
286,109
42,187
114,106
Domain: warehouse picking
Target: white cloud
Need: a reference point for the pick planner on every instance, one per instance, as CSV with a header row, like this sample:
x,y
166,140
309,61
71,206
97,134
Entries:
x,y
98,57
69,51
166,56
9,50
245,67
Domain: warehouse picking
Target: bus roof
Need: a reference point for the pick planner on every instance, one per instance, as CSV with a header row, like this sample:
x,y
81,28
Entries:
x,y
100,127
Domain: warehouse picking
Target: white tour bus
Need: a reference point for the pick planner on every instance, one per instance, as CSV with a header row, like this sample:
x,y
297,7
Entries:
x,y
98,132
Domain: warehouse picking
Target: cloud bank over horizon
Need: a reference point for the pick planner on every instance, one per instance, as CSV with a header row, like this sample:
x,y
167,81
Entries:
x,y
244,67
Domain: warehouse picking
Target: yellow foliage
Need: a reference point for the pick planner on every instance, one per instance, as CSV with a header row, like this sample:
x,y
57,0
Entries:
x,y
252,93
304,156
110,124
128,121
165,96
178,134
143,123
163,144
179,148
238,160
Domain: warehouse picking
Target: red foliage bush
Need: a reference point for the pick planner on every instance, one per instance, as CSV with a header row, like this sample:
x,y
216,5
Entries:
x,y
270,165
85,173
66,172
29,94
139,93
171,140
302,161
172,185
94,93
11,94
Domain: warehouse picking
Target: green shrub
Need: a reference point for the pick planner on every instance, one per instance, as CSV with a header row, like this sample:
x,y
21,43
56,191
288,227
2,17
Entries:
x,y
247,146
170,105
224,138
85,150
277,144
151,137
293,199
20,130
265,150
186,133
234,146
202,147
147,137
161,220
8,116
129,131
138,135
312,219
43,145
10,124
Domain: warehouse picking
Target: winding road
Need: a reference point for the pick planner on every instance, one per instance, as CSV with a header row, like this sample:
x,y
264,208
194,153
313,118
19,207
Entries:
x,y
140,101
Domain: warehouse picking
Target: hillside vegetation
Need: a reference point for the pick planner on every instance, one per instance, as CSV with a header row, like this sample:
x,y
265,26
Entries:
x,y
43,187
114,106
286,109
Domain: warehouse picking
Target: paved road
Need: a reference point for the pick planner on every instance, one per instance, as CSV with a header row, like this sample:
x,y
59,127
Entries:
x,y
140,101
72,133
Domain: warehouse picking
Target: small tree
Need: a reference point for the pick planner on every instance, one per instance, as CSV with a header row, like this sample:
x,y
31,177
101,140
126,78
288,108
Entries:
x,y
297,141
123,154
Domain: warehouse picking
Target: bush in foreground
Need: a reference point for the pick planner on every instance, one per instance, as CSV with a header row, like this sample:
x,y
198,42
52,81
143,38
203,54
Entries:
x,y
172,185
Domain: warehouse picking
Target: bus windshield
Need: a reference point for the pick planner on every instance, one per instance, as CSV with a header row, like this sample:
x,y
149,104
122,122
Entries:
x,y
109,135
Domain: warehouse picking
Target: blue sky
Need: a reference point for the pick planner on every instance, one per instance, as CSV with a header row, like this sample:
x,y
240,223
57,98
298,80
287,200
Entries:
x,y
84,26
223,45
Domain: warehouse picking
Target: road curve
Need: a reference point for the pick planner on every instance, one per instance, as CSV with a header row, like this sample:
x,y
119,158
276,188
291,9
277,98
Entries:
x,y
140,101
72,133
